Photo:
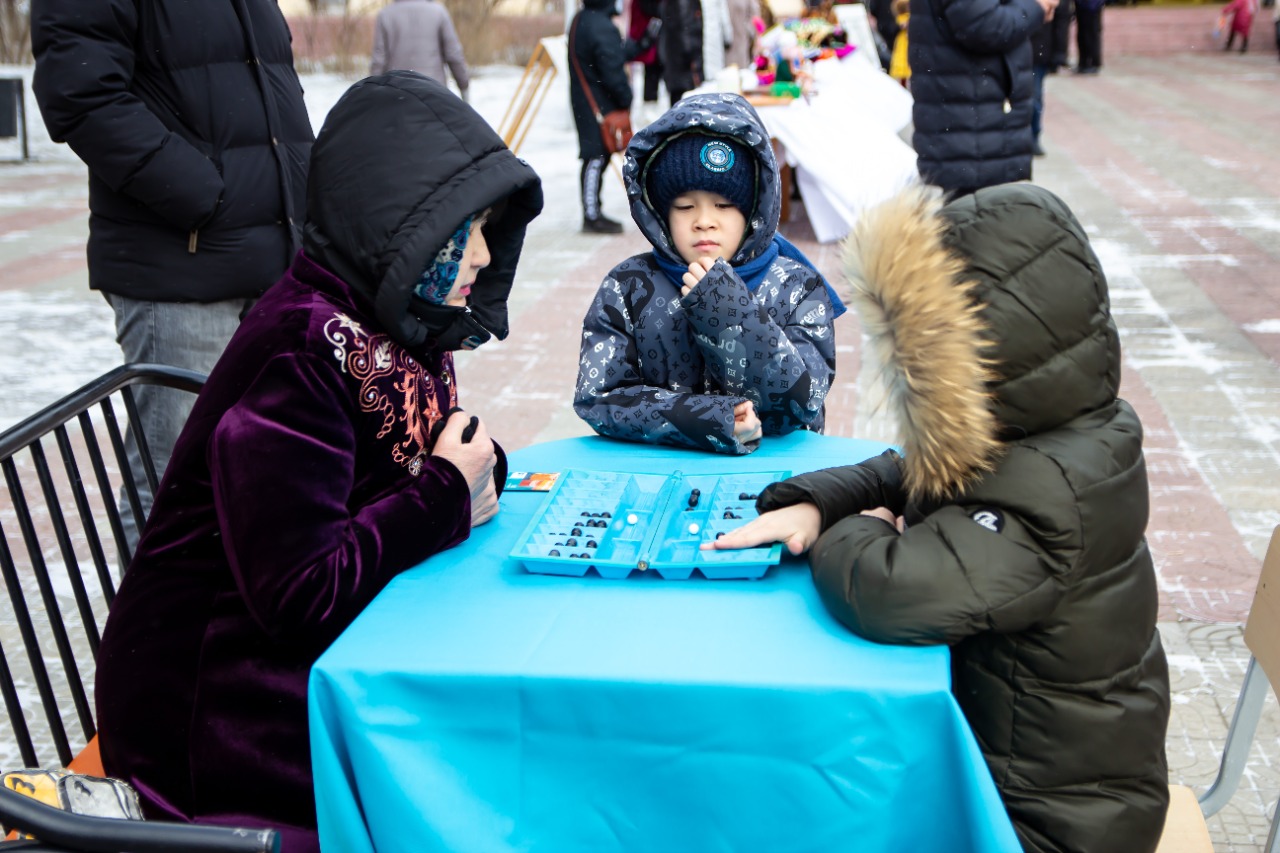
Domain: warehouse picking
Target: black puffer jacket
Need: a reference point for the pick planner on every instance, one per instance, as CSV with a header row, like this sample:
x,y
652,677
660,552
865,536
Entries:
x,y
191,120
1025,495
972,84
597,46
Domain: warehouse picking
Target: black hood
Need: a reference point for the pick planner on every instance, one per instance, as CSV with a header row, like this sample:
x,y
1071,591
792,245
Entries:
x,y
398,165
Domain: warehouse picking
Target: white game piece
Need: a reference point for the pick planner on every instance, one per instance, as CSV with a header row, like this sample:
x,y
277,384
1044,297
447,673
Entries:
x,y
632,518
693,528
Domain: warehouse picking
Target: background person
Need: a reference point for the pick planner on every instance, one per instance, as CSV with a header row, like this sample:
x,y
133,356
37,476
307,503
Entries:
x,y
644,21
1240,13
322,458
742,46
1089,36
972,86
597,47
1049,47
191,121
418,35
680,47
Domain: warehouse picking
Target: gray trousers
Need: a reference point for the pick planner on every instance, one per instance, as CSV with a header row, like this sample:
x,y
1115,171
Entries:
x,y
180,334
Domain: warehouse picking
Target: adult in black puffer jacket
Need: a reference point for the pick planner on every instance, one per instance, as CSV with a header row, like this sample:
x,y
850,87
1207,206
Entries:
x,y
191,120
972,84
1024,494
596,46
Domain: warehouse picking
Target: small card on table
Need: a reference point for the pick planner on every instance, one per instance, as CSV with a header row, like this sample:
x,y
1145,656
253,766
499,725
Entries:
x,y
531,481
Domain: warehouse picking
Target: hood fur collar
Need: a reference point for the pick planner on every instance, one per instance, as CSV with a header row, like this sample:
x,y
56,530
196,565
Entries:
x,y
924,323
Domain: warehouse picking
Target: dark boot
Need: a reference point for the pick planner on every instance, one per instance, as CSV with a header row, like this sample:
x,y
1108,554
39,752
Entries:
x,y
593,220
601,225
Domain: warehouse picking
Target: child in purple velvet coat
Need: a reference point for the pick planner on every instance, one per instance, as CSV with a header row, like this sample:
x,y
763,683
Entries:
x,y
324,456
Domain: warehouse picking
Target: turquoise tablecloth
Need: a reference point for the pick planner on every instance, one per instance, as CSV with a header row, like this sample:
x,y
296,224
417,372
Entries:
x,y
477,707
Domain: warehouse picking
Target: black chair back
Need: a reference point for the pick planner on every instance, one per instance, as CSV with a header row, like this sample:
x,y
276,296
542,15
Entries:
x,y
63,470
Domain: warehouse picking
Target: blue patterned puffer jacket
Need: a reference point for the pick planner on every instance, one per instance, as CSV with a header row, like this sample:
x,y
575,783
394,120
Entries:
x,y
665,369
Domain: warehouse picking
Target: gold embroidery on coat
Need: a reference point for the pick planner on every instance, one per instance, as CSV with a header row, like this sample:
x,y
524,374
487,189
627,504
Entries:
x,y
385,370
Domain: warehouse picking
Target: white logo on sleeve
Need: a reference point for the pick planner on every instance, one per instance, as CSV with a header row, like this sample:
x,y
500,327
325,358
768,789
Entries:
x,y
989,517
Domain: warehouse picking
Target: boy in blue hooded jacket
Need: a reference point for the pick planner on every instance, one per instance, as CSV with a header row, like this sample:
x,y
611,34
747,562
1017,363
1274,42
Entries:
x,y
723,333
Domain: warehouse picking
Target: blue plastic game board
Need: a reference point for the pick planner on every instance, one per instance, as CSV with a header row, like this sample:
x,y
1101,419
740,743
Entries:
x,y
616,523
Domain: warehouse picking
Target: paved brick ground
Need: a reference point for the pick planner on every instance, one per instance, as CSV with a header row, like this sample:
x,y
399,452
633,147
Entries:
x,y
1166,157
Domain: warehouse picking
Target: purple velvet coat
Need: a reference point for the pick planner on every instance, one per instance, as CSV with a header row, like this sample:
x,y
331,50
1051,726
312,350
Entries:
x,y
301,485
304,481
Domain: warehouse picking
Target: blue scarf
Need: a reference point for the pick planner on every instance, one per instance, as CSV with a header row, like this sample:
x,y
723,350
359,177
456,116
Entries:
x,y
754,270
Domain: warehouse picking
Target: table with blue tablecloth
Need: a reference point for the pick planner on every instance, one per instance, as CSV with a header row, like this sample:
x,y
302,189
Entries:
x,y
475,706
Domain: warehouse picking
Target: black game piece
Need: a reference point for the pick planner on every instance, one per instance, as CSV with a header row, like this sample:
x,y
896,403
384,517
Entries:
x,y
469,431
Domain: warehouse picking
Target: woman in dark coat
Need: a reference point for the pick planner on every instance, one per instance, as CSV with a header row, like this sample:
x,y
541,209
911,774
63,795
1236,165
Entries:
x,y
596,47
1011,528
322,458
972,84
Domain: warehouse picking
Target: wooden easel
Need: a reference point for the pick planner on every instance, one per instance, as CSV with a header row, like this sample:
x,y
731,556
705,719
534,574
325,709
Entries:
x,y
528,98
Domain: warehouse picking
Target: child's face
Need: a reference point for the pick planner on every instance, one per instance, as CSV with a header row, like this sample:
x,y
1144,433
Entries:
x,y
705,225
475,257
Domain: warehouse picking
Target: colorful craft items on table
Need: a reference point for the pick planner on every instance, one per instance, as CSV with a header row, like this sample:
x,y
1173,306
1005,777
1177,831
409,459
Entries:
x,y
785,49
617,523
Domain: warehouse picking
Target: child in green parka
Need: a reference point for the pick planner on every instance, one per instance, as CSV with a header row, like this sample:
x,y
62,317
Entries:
x,y
1012,526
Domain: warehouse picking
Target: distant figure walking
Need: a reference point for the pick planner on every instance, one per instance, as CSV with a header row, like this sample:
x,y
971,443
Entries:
x,y
418,35
1241,13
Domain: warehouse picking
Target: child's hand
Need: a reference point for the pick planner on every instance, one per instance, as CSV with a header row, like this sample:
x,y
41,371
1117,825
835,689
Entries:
x,y
475,459
697,270
884,514
746,426
796,526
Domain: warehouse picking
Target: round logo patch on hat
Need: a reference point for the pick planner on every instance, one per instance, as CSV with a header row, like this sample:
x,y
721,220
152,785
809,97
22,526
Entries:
x,y
716,156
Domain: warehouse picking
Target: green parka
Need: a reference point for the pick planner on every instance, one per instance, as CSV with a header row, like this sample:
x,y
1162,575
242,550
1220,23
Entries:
x,y
1024,492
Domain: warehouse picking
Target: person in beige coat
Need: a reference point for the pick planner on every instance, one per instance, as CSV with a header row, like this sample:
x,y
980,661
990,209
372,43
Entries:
x,y
418,35
741,49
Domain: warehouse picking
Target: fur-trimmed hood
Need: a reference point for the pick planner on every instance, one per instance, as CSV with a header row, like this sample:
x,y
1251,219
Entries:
x,y
990,319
